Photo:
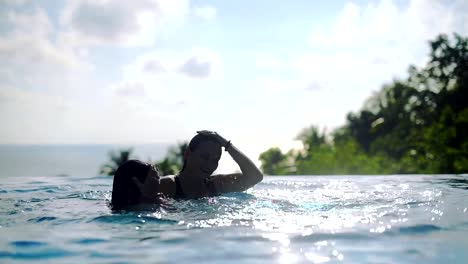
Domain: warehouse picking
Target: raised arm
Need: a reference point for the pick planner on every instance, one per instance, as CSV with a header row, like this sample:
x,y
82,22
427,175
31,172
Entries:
x,y
237,182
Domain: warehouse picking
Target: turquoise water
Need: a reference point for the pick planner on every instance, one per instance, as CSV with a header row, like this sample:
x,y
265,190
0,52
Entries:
x,y
358,219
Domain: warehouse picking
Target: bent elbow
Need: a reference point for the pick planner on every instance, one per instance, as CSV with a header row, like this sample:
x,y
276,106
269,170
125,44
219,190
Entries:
x,y
259,177
253,180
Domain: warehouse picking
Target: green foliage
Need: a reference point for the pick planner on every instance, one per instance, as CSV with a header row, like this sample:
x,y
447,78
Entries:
x,y
117,158
274,162
174,160
343,155
171,164
417,125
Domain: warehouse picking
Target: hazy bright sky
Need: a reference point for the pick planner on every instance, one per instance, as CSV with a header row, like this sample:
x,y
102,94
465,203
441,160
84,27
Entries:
x,y
256,71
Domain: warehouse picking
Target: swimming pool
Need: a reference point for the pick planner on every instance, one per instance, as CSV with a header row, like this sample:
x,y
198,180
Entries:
x,y
300,219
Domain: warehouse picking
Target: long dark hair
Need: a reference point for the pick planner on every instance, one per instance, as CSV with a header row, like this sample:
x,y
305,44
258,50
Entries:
x,y
124,190
194,143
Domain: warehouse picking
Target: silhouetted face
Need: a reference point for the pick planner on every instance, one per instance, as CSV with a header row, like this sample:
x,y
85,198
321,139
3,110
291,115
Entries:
x,y
204,159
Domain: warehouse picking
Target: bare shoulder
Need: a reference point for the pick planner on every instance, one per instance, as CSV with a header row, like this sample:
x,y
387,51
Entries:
x,y
226,176
168,178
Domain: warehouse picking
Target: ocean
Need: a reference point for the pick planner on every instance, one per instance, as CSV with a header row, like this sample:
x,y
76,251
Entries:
x,y
72,160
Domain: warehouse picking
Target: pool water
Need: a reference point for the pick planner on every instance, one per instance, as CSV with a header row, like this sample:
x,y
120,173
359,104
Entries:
x,y
300,219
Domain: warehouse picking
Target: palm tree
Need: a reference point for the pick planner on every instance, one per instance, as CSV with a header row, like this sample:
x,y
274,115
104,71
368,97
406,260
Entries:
x,y
174,160
117,158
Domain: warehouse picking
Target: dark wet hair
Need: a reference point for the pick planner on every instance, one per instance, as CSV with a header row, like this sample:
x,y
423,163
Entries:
x,y
196,141
124,190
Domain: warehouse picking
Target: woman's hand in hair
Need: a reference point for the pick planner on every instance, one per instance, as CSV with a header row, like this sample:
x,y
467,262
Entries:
x,y
236,182
217,136
150,188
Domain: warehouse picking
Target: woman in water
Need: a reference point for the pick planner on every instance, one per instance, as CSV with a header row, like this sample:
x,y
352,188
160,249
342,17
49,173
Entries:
x,y
137,183
201,158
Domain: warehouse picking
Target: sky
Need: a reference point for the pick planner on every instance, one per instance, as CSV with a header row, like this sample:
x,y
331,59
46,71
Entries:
x,y
156,71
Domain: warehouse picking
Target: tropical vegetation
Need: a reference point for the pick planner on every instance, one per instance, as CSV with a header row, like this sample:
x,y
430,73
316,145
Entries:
x,y
171,164
117,158
413,125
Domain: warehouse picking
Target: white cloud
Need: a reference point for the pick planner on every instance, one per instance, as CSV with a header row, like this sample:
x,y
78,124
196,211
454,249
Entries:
x,y
153,66
267,62
194,67
13,2
364,47
37,75
278,86
30,58
131,89
29,117
201,63
206,12
162,64
369,45
120,22
37,23
384,24
153,93
154,81
133,126
158,99
32,117
173,99
314,86
41,74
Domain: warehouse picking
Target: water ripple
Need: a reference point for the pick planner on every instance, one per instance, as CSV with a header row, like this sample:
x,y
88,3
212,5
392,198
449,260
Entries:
x,y
358,219
332,236
419,229
49,189
42,219
27,244
89,241
131,219
32,255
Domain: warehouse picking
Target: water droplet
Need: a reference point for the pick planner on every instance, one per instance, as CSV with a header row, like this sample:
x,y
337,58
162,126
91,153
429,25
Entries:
x,y
380,229
322,243
316,258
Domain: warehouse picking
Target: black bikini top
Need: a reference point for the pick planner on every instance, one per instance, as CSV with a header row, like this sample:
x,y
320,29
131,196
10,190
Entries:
x,y
179,193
